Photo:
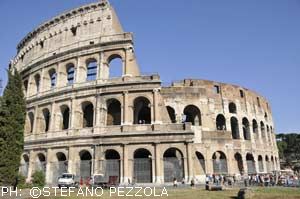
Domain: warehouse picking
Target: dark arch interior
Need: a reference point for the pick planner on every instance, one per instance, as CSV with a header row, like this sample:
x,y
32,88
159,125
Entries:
x,y
232,108
249,157
61,156
111,155
142,111
221,122
66,117
219,155
46,115
234,128
26,158
142,153
193,115
113,112
31,120
41,157
199,155
85,155
173,153
255,126
88,115
246,129
172,114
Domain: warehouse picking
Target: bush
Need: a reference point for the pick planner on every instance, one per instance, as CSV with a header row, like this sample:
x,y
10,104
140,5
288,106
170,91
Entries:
x,y
38,179
22,182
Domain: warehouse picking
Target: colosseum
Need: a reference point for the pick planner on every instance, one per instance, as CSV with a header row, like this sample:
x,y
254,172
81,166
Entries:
x,y
82,120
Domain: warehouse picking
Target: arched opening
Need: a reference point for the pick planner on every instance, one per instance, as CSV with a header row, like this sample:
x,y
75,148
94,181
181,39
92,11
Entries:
x,y
53,77
37,81
246,129
65,111
193,115
91,66
267,164
70,73
30,120
262,129
41,163
25,84
85,164
59,167
219,163
268,138
221,123
172,114
142,111
260,164
112,166
235,132
142,166
266,116
250,163
254,126
173,165
46,115
24,165
201,163
272,164
115,66
232,108
88,114
113,112
239,160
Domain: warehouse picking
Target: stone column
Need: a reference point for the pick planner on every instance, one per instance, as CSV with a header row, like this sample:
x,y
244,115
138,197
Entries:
x,y
158,167
98,112
125,109
48,174
35,122
126,173
189,161
52,126
72,161
73,114
30,166
208,160
157,118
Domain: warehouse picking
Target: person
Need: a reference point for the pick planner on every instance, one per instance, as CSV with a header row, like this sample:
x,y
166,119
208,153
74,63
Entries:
x,y
175,182
192,182
16,183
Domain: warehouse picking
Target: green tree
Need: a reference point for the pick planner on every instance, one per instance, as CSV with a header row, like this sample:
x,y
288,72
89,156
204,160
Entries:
x,y
12,119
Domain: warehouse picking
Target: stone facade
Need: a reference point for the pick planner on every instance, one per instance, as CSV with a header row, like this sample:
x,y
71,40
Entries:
x,y
83,121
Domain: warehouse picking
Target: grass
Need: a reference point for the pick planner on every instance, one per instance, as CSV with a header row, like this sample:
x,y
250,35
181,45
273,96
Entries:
x,y
199,193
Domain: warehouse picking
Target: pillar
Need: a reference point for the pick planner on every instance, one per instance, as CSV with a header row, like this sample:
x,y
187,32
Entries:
x,y
189,161
52,126
125,109
30,166
126,171
158,166
156,110
48,174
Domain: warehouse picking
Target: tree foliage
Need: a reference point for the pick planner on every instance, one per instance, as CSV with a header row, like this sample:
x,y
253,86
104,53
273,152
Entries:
x,y
289,147
12,119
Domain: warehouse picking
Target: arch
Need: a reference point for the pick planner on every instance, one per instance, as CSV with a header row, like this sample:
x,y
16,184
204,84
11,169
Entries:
x,y
88,114
25,84
112,166
53,77
219,163
91,65
142,111
235,132
46,116
59,167
113,112
266,116
173,165
40,162
262,129
172,114
201,163
221,123
239,160
85,164
260,164
268,169
24,165
37,81
115,65
142,166
246,129
70,69
272,164
193,115
250,163
65,112
254,126
232,108
30,122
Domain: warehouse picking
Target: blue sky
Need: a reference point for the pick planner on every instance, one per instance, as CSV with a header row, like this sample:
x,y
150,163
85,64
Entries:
x,y
252,43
